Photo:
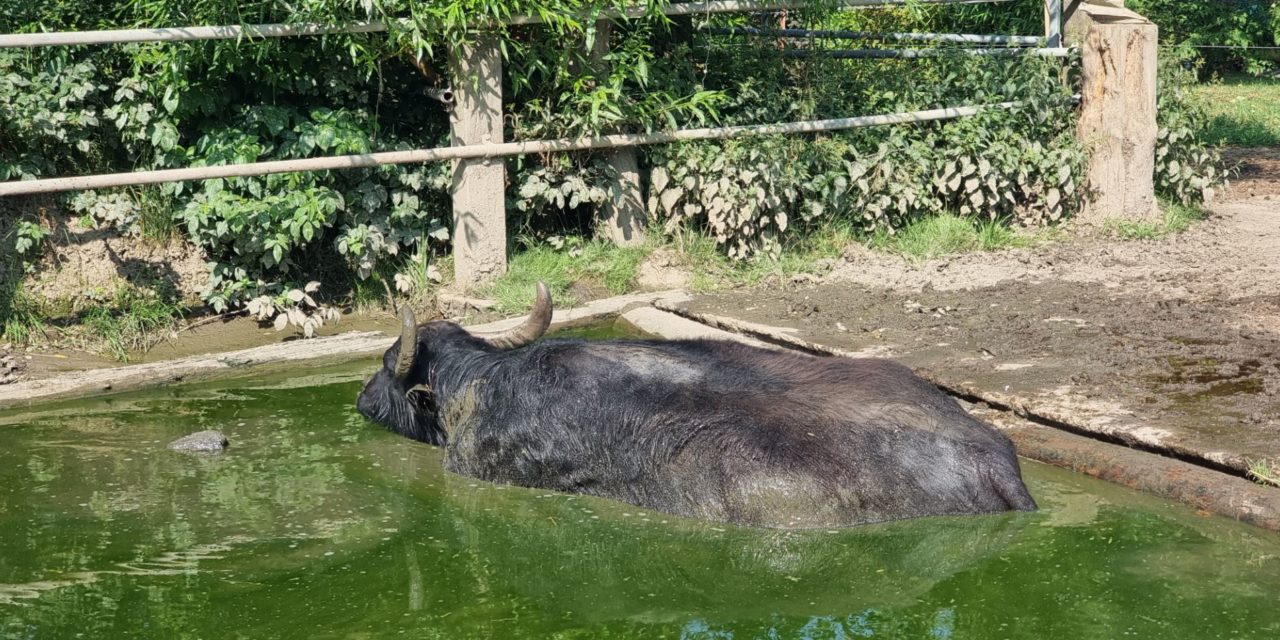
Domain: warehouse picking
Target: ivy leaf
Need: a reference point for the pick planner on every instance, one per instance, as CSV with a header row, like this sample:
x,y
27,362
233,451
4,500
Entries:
x,y
659,179
164,135
170,100
325,138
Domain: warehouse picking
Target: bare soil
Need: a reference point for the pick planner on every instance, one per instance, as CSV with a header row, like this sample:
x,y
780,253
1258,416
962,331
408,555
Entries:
x,y
1254,172
1172,344
84,264
90,264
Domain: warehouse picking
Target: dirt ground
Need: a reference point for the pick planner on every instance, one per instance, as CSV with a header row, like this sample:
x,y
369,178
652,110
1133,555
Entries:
x,y
1172,344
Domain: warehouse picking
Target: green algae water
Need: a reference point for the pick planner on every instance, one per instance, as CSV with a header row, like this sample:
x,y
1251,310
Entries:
x,y
316,524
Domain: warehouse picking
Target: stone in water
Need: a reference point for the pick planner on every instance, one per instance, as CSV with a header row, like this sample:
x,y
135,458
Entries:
x,y
208,441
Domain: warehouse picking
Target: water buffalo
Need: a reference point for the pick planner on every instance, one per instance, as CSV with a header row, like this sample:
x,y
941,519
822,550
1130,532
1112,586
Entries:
x,y
701,428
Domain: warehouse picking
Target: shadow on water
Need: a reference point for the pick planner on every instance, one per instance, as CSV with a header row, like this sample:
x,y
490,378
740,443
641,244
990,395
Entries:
x,y
317,524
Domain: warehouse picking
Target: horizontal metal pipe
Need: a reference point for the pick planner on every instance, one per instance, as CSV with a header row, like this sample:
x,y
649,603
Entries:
x,y
235,32
183,34
1050,52
733,6
871,35
482,151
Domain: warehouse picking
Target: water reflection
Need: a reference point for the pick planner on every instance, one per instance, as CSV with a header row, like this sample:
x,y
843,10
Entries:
x,y
582,557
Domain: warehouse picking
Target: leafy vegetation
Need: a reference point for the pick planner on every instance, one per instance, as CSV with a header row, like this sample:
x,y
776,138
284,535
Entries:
x,y
198,104
1186,165
69,111
1022,164
1231,27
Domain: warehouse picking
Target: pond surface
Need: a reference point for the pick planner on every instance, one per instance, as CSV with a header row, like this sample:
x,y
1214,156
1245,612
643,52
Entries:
x,y
316,524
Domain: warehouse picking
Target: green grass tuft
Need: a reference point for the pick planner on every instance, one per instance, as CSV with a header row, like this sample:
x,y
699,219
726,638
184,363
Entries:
x,y
1242,111
812,252
22,317
156,214
1175,218
132,322
1265,472
597,261
948,234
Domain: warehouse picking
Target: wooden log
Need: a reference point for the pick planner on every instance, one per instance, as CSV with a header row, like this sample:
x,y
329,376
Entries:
x,y
1117,110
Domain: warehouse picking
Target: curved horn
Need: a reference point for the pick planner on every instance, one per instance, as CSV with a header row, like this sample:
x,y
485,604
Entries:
x,y
531,329
408,343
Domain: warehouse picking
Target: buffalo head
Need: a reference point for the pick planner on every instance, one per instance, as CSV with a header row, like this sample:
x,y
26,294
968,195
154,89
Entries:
x,y
400,395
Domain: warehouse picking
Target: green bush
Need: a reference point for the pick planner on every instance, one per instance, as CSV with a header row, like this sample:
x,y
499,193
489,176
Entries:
x,y
67,111
1022,164
1235,24
1186,165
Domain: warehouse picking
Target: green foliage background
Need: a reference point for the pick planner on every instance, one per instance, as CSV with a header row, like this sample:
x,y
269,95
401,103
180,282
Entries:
x,y
1234,25
77,110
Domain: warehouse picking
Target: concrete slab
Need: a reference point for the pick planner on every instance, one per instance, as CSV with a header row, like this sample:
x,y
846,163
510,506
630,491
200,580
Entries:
x,y
673,327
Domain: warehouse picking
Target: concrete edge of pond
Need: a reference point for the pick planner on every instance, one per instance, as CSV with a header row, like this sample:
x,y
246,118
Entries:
x,y
673,327
336,349
1197,483
1199,487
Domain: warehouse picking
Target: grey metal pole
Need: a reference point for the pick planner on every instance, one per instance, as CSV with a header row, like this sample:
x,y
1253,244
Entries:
x,y
183,34
1051,52
369,160
1053,22
870,35
235,32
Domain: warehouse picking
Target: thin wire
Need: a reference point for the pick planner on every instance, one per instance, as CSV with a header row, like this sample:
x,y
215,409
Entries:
x,y
1218,46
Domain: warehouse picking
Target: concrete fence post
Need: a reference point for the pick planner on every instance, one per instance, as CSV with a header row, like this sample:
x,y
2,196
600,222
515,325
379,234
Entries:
x,y
622,219
1117,109
479,185
1053,23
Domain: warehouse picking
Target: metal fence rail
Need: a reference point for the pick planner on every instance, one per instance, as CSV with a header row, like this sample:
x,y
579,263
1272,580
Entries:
x,y
478,151
1047,52
961,38
283,30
